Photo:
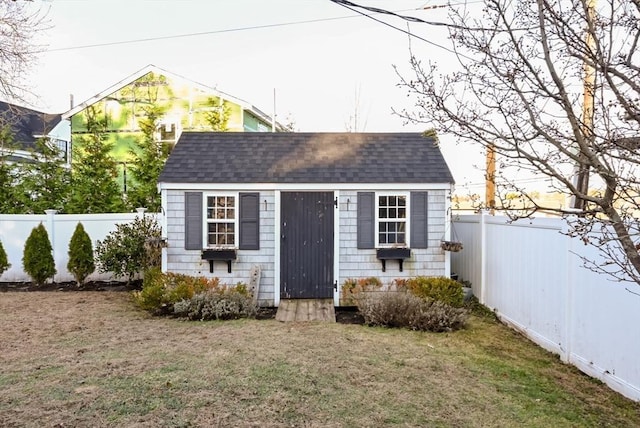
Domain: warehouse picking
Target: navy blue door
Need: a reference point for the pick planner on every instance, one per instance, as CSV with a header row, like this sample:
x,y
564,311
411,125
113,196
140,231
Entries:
x,y
306,245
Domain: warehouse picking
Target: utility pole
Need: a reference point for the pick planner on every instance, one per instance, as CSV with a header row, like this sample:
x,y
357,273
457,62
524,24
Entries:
x,y
582,168
490,179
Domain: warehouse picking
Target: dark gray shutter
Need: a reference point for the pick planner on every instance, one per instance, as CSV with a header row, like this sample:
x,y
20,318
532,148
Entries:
x,y
418,220
193,220
366,219
249,221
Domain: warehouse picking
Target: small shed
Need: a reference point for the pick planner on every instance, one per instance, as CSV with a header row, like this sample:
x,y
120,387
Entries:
x,y
306,210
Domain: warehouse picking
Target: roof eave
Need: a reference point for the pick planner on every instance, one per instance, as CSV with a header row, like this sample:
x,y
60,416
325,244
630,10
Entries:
x,y
152,68
163,185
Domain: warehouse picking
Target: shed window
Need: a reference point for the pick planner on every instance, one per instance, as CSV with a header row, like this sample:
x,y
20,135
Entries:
x,y
391,219
221,221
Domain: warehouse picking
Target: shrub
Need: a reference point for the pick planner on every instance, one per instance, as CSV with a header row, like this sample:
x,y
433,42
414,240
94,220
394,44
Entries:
x,y
81,263
404,310
4,261
352,287
37,259
124,253
440,288
161,291
218,304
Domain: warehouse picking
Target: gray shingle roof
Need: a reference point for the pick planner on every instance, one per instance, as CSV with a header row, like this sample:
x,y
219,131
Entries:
x,y
26,124
225,157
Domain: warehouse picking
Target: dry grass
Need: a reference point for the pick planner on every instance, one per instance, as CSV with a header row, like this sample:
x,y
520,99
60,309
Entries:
x,y
92,359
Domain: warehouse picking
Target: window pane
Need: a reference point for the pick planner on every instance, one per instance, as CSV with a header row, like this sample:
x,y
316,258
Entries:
x,y
392,215
219,234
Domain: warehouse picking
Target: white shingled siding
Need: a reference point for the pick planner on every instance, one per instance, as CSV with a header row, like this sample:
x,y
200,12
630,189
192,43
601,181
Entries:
x,y
356,263
353,263
189,262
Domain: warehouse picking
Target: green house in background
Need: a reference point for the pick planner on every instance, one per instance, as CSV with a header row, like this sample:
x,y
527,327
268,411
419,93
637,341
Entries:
x,y
185,104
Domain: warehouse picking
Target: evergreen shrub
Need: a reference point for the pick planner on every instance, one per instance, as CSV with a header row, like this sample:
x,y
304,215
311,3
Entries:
x,y
81,262
440,288
124,253
4,260
37,259
196,298
160,291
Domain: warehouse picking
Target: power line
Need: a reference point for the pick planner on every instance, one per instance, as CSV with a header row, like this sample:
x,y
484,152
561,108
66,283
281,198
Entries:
x,y
204,33
352,6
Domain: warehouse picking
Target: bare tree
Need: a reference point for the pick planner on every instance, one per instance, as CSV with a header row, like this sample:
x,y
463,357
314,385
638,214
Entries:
x,y
554,88
20,21
354,123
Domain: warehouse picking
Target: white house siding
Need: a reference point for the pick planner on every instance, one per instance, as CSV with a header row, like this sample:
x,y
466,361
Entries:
x,y
189,262
359,263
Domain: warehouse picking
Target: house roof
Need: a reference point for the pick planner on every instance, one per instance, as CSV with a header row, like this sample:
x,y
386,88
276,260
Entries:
x,y
152,68
218,157
27,125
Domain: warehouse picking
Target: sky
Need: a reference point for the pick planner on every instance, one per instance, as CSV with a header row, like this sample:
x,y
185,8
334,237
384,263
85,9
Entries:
x,y
324,63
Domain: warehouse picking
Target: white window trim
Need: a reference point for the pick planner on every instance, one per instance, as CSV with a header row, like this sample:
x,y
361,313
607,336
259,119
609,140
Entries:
x,y
236,222
406,244
170,121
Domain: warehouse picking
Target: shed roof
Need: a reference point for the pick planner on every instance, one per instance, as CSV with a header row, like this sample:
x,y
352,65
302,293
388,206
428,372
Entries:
x,y
221,157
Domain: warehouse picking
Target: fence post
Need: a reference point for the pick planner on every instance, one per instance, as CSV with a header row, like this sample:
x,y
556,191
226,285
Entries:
x,y
483,257
565,348
51,219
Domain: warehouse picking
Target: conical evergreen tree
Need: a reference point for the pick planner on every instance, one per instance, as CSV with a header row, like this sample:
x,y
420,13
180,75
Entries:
x,y
10,202
93,178
4,261
37,259
81,262
45,183
148,162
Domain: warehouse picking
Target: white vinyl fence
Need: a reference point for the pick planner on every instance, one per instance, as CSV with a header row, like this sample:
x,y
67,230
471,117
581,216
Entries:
x,y
531,275
16,228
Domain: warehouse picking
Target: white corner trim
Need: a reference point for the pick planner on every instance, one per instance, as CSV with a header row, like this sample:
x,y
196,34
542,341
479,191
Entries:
x,y
276,245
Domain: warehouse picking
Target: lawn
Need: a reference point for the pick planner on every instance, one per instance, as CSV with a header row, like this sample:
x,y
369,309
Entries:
x,y
92,359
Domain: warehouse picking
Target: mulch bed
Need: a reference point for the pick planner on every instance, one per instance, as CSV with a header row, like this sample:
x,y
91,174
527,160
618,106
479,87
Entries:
x,y
71,286
344,315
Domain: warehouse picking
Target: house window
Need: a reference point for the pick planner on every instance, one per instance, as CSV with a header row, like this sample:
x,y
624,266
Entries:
x,y
221,221
391,220
168,132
